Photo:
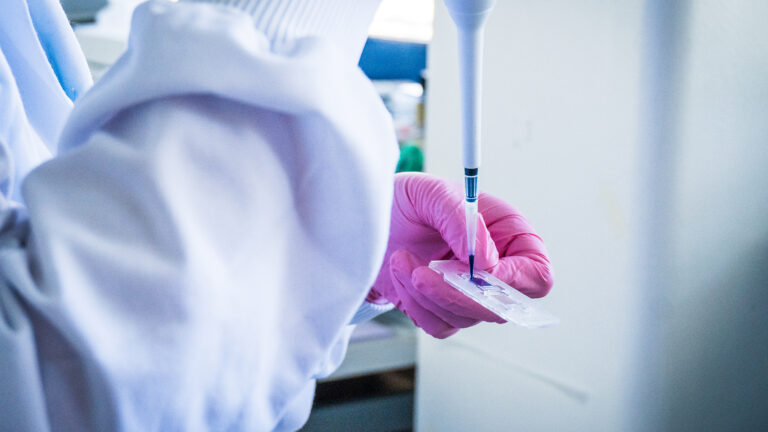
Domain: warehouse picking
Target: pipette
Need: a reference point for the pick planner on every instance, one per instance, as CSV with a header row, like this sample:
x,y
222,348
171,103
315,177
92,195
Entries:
x,y
470,16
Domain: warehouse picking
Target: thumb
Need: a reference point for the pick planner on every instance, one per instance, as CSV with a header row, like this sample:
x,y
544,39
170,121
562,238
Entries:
x,y
402,265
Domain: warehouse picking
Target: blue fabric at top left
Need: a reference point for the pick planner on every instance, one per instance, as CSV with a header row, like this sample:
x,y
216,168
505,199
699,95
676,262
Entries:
x,y
42,70
61,48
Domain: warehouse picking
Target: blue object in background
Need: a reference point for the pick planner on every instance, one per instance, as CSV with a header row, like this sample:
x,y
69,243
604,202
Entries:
x,y
393,60
82,10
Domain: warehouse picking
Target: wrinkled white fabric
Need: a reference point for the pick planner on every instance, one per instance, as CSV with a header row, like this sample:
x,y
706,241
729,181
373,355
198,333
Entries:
x,y
192,258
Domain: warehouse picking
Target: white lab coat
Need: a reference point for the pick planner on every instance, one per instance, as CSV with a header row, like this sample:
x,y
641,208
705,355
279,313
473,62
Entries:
x,y
192,258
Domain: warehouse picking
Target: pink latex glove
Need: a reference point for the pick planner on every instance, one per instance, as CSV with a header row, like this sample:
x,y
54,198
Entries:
x,y
428,224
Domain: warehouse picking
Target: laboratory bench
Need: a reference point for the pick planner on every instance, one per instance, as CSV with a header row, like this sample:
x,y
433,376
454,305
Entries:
x,y
373,389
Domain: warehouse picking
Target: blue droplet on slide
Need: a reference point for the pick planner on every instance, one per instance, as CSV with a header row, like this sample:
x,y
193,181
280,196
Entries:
x,y
480,281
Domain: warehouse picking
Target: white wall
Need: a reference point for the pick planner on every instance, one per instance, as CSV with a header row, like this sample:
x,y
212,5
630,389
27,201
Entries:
x,y
716,334
563,109
560,121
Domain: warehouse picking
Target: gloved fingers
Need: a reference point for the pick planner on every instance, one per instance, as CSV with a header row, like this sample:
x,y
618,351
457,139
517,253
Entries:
x,y
454,306
496,210
402,264
507,244
530,274
446,314
523,261
508,227
456,311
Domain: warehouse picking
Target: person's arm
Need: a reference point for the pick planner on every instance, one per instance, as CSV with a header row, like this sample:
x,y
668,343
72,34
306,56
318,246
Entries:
x,y
194,256
284,21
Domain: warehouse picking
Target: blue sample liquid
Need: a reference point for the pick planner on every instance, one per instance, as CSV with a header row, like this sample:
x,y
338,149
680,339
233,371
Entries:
x,y
483,285
479,281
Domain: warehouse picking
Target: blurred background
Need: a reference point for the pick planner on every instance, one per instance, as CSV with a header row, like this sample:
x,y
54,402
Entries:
x,y
634,136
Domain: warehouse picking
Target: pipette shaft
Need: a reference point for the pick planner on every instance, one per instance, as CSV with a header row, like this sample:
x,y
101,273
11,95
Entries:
x,y
470,16
470,213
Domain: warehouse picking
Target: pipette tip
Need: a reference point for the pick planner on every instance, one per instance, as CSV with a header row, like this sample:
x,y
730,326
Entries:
x,y
471,266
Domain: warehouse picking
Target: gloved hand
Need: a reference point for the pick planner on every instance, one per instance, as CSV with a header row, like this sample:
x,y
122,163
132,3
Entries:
x,y
428,224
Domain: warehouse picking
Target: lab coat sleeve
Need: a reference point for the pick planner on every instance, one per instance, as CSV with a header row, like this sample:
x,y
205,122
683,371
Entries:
x,y
368,311
193,258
